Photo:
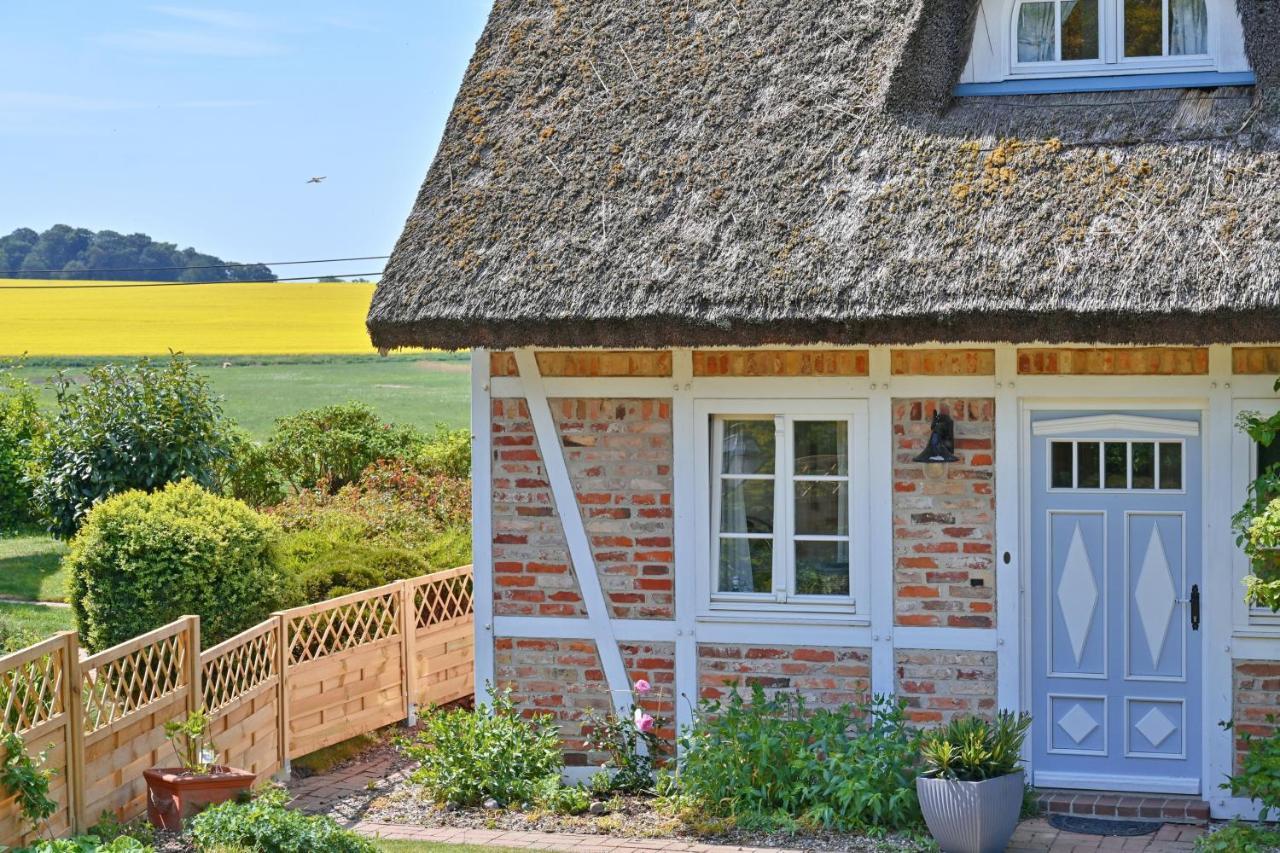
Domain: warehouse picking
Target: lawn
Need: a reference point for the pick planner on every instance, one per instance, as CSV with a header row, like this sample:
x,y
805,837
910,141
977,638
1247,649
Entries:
x,y
423,389
30,570
40,619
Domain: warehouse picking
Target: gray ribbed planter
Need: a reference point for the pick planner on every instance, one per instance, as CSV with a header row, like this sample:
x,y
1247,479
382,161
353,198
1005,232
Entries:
x,y
971,817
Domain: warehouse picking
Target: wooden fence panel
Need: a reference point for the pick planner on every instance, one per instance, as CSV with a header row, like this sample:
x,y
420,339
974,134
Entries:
x,y
35,702
444,645
304,679
129,692
241,682
344,668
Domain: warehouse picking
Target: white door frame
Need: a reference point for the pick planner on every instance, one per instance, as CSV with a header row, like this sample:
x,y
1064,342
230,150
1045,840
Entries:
x,y
1216,668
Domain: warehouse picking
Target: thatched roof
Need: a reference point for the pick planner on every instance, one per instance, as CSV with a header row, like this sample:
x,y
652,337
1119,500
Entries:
x,y
649,173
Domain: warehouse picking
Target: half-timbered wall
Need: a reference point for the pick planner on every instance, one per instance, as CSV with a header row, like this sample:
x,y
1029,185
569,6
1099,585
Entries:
x,y
586,555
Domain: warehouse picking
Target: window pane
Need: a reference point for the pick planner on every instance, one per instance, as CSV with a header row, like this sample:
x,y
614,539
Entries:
x,y
822,447
746,506
1080,29
1061,465
822,508
748,447
746,565
1144,465
1036,33
1088,463
1171,466
1142,28
822,568
1117,464
1188,28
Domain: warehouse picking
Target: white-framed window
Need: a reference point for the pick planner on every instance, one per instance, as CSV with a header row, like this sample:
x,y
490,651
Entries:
x,y
1249,460
784,485
1054,37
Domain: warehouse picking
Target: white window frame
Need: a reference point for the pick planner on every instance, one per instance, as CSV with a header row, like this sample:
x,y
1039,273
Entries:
x,y
782,599
1075,443
1111,59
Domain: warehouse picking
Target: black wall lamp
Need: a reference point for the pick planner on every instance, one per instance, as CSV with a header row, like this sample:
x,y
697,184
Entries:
x,y
942,440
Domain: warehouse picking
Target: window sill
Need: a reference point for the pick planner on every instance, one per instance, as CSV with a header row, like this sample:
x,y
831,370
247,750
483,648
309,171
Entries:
x,y
1116,83
785,617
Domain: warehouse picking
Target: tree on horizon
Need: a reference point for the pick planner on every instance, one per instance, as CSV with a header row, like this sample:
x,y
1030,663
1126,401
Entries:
x,y
81,254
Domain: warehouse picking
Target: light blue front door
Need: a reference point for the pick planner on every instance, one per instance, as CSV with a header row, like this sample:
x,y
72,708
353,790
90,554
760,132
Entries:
x,y
1115,533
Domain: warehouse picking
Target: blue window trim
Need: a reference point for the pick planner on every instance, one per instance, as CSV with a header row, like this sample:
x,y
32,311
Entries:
x,y
1117,83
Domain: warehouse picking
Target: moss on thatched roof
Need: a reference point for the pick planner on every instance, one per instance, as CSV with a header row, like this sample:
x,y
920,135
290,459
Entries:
x,y
762,171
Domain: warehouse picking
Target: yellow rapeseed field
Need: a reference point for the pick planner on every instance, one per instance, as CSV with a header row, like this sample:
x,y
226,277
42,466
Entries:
x,y
211,319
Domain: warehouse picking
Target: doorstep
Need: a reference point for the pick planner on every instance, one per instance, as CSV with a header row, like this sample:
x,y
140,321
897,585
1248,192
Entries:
x,y
1170,808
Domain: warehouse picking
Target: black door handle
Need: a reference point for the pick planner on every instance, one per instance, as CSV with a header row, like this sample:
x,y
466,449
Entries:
x,y
1195,607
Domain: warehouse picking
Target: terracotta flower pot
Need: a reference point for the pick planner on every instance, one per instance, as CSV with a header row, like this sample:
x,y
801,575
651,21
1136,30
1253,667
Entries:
x,y
173,794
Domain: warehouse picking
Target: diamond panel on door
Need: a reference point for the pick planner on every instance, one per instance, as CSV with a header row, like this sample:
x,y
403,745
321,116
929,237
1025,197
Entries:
x,y
1155,647
1077,590
1156,728
1079,724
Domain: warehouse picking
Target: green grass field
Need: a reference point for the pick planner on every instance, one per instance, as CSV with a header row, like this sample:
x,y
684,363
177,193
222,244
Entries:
x,y
30,570
40,619
422,390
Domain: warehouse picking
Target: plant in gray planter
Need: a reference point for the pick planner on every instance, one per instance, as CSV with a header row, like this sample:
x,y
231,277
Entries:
x,y
970,789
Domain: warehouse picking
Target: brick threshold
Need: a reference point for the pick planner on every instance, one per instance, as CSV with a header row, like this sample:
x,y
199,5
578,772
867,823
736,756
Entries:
x,y
1169,808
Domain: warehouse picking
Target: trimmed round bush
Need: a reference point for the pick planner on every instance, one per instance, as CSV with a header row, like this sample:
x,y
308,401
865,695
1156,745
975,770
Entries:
x,y
143,559
319,567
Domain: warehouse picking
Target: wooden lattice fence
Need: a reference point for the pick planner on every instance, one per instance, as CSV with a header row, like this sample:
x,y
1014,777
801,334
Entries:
x,y
300,680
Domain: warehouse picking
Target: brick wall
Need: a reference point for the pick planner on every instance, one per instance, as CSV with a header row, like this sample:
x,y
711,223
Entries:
x,y
939,685
1119,361
564,678
532,573
780,362
942,362
619,457
1257,695
828,677
944,518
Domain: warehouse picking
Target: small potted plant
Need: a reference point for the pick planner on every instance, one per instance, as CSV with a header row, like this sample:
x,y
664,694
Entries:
x,y
970,789
175,793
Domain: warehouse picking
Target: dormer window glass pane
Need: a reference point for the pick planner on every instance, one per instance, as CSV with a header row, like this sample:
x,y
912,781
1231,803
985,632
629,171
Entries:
x,y
1188,28
1037,33
1080,29
1142,28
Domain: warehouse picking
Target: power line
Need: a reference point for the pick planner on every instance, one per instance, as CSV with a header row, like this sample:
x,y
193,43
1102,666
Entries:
x,y
110,286
212,266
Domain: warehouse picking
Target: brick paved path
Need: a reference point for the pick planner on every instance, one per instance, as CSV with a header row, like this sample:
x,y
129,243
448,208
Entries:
x,y
347,792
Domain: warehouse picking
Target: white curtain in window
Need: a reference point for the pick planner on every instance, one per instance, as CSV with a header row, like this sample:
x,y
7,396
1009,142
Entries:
x,y
1188,28
739,453
1036,33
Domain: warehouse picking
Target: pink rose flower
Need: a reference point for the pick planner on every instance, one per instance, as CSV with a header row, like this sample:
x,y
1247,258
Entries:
x,y
643,686
644,722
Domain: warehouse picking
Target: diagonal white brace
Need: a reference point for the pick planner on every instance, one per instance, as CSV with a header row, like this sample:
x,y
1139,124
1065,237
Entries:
x,y
575,532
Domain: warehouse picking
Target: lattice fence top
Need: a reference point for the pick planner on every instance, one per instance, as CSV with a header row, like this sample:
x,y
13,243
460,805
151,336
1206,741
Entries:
x,y
235,667
31,687
443,598
345,623
117,687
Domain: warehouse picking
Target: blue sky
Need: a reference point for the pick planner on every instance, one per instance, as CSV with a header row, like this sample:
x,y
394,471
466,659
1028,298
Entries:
x,y
199,123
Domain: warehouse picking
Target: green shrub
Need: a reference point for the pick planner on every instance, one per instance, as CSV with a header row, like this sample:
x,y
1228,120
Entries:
x,y
264,825
973,748
1238,837
553,795
446,452
144,559
249,474
633,744
125,428
467,757
320,566
328,448
22,429
769,762
1259,776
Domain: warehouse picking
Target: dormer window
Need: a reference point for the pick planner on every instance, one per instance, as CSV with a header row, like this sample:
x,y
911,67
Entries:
x,y
1092,45
1110,35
